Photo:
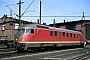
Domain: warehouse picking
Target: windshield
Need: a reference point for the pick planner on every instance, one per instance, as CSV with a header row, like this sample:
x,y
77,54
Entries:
x,y
20,31
29,31
25,31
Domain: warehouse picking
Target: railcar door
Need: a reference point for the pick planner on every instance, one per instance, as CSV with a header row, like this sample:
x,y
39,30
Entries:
x,y
56,37
60,37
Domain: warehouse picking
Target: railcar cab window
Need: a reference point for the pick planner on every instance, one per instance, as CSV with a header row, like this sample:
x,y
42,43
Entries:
x,y
29,31
25,31
32,31
20,31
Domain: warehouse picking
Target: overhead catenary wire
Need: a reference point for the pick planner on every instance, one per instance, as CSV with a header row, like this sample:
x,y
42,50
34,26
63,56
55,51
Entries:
x,y
54,8
12,11
55,16
3,2
27,8
7,5
59,10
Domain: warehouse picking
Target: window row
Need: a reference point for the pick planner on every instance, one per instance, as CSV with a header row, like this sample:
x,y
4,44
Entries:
x,y
69,35
64,34
55,33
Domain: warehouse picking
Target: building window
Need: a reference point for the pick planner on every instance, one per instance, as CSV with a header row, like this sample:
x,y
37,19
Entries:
x,y
16,26
51,33
55,33
3,27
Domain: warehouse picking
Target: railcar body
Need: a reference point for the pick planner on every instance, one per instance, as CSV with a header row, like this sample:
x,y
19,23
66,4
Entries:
x,y
36,35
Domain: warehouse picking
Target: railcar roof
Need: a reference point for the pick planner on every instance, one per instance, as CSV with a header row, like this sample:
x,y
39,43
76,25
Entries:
x,y
64,30
46,27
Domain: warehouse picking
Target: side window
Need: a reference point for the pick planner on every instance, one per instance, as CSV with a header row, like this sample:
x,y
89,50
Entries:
x,y
32,31
67,34
63,33
51,33
74,35
77,35
70,34
55,33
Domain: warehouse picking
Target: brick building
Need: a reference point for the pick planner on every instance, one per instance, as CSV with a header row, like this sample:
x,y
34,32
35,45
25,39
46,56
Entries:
x,y
8,26
80,25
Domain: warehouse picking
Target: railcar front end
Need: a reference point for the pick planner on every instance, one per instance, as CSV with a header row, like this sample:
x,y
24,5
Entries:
x,y
23,36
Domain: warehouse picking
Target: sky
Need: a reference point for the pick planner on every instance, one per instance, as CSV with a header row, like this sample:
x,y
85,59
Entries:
x,y
49,8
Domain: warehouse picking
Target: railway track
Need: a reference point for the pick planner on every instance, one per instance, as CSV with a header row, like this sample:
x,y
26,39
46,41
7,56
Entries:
x,y
4,51
81,57
63,54
77,54
3,47
50,55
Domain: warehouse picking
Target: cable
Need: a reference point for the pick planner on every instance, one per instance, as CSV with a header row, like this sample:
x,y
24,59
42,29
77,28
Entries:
x,y
11,4
27,8
54,16
12,10
53,7
3,2
41,13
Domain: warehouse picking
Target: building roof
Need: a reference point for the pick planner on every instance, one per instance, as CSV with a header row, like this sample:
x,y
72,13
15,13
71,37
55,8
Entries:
x,y
14,20
71,22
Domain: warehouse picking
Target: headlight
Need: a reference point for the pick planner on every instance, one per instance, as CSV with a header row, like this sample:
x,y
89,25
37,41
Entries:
x,y
16,39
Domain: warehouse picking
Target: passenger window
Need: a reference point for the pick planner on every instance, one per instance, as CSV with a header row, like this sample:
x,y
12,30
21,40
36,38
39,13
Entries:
x,y
70,34
55,33
51,33
74,35
63,33
77,35
67,34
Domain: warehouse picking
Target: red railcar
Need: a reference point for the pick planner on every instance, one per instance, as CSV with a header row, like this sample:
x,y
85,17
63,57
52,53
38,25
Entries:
x,y
36,35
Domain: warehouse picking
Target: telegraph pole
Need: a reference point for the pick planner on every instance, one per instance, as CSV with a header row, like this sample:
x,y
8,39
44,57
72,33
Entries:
x,y
40,11
54,22
83,17
20,11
